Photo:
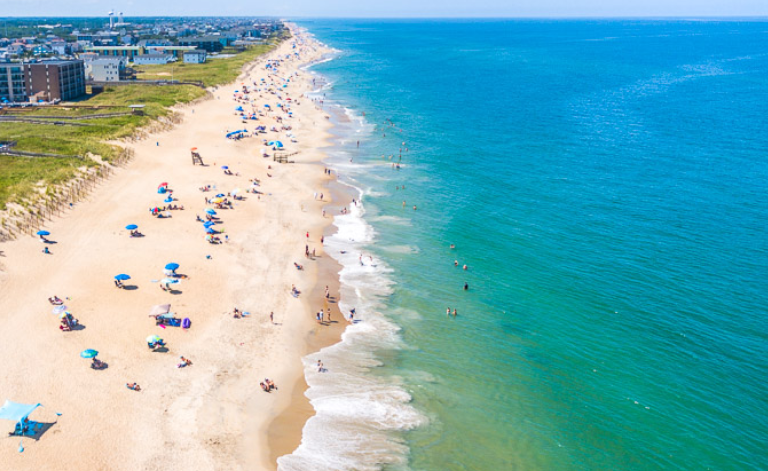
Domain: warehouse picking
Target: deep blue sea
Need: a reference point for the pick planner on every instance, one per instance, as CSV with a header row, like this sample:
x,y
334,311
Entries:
x,y
605,183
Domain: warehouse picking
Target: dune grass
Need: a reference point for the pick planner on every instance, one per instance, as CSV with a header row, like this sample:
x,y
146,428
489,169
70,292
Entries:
x,y
211,73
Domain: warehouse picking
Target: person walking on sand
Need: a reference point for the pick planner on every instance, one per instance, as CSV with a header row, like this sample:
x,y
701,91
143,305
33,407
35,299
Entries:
x,y
272,317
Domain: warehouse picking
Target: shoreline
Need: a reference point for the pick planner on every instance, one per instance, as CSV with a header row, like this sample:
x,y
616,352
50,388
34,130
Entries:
x,y
209,416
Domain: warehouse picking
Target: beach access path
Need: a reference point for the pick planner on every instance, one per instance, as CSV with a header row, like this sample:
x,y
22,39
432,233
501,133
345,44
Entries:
x,y
211,415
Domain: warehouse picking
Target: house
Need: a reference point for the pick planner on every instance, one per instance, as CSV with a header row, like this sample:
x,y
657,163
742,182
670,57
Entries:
x,y
198,56
111,69
15,49
59,47
152,59
42,50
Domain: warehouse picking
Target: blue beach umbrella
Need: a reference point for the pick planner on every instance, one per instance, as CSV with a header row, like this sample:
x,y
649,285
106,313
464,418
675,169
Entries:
x,y
220,195
168,200
239,108
172,266
209,230
90,353
210,211
43,233
207,224
131,227
153,339
122,277
225,167
267,106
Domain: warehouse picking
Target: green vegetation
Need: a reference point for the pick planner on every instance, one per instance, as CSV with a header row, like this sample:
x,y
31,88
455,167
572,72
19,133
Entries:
x,y
213,72
20,175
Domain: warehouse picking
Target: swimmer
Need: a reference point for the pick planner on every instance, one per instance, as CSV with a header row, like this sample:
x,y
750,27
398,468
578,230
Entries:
x,y
466,286
455,263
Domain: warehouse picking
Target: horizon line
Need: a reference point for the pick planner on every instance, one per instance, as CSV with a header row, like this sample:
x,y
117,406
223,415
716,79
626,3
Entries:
x,y
522,17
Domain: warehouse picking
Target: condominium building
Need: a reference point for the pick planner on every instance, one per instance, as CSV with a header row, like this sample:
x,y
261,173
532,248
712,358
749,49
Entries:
x,y
54,79
12,82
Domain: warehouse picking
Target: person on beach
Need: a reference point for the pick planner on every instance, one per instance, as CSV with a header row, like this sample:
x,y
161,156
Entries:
x,y
319,366
237,314
264,387
133,386
272,317
184,363
352,315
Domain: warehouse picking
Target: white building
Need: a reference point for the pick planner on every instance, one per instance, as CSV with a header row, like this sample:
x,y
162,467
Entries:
x,y
106,70
198,56
152,59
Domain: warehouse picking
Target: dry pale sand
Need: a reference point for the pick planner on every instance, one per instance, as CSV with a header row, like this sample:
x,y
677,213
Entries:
x,y
213,414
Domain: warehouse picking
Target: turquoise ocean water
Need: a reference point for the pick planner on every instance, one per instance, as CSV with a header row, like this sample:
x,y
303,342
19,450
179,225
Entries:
x,y
605,184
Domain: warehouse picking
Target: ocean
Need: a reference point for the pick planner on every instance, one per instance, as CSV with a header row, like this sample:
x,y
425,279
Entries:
x,y
604,182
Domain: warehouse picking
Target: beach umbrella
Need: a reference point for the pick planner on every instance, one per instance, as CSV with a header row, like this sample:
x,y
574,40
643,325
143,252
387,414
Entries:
x,y
209,230
90,353
267,106
209,237
193,149
160,309
217,200
172,266
64,314
208,224
225,167
162,184
153,339
43,233
210,211
59,309
122,277
168,200
220,195
131,227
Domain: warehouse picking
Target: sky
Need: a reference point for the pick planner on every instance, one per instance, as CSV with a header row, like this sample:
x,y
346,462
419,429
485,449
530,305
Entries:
x,y
388,8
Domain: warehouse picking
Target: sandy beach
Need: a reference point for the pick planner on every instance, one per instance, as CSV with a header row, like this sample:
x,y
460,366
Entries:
x,y
212,414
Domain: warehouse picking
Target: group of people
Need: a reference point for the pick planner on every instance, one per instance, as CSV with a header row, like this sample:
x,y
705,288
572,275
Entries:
x,y
267,385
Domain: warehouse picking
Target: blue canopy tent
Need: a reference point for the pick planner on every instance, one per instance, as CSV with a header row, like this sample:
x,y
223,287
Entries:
x,y
18,413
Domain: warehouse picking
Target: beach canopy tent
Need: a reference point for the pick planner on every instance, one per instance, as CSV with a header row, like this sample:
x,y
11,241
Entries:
x,y
16,412
160,309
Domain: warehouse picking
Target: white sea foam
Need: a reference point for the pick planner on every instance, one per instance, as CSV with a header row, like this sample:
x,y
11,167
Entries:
x,y
358,413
